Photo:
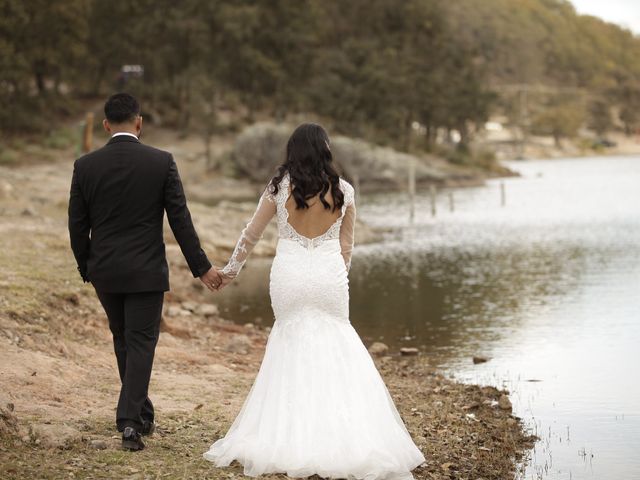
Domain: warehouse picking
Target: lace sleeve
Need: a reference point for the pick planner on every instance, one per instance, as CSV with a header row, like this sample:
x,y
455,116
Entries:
x,y
347,228
251,234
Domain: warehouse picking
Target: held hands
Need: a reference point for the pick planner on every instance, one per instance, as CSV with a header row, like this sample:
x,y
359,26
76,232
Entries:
x,y
215,280
225,281
212,279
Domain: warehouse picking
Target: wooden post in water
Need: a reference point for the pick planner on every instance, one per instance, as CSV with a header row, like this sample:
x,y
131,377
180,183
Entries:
x,y
87,136
412,190
451,202
432,191
503,195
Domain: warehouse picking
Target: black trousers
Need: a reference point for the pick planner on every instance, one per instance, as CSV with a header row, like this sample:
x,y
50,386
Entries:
x,y
134,321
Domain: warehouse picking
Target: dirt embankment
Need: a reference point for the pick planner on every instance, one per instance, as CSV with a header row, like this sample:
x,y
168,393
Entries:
x,y
58,375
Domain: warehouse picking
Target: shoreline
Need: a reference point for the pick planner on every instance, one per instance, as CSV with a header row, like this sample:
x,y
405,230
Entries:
x,y
60,381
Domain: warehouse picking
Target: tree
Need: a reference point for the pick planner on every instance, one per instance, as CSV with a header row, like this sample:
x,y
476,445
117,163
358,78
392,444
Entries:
x,y
600,116
561,119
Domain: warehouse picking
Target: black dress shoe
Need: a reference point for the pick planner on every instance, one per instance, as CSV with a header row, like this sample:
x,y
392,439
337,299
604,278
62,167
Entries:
x,y
132,440
148,427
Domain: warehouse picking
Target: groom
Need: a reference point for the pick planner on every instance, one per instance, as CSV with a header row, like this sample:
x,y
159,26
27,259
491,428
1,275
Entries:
x,y
119,194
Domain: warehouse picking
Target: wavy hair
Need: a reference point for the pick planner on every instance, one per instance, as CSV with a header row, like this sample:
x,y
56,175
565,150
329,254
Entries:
x,y
309,165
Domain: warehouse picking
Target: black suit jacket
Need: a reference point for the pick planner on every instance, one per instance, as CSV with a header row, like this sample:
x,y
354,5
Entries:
x,y
119,194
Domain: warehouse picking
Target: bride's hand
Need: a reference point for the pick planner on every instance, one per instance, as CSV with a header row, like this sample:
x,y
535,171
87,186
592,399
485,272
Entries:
x,y
225,281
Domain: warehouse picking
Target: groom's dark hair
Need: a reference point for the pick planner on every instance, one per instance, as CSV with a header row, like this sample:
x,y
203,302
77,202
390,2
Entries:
x,y
121,108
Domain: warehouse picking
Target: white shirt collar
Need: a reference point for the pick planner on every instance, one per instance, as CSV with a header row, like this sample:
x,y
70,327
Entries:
x,y
124,133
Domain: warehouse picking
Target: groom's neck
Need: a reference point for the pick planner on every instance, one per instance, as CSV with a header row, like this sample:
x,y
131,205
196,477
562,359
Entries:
x,y
124,129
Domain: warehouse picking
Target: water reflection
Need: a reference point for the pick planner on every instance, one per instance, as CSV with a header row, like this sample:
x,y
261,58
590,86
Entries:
x,y
547,286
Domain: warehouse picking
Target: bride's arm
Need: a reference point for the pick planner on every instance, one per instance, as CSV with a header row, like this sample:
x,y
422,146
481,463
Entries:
x,y
347,233
251,235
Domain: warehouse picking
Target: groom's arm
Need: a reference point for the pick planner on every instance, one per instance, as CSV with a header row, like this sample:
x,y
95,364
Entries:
x,y
181,224
79,225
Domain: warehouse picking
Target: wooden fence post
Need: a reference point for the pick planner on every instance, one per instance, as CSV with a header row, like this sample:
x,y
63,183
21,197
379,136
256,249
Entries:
x,y
87,137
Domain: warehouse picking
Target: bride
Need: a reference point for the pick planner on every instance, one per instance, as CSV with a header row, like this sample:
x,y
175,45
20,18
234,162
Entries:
x,y
318,405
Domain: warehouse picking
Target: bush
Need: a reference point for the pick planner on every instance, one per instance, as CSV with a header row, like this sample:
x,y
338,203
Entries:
x,y
8,157
260,148
62,138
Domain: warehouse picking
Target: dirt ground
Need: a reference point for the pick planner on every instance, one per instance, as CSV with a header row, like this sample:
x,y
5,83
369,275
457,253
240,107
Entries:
x,y
58,377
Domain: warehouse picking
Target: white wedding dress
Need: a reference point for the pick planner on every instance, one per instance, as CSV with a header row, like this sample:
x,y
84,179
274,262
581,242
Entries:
x,y
318,404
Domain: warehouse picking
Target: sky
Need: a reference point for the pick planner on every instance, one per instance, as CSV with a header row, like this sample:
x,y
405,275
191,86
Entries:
x,y
623,12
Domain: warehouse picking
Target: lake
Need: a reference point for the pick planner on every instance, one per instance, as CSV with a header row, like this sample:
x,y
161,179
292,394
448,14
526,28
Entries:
x,y
547,286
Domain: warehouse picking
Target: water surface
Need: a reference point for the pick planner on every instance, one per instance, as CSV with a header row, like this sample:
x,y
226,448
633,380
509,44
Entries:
x,y
547,286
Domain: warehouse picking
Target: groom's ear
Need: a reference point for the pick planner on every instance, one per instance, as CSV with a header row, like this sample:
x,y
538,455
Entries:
x,y
107,127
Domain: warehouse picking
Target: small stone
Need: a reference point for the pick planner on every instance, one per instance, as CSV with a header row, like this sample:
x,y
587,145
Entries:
x,y
239,344
448,466
248,325
409,351
504,403
378,349
190,306
5,189
177,311
72,298
207,310
98,444
478,359
29,212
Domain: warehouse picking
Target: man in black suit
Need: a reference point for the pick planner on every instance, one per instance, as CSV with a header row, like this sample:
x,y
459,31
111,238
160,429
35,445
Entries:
x,y
119,194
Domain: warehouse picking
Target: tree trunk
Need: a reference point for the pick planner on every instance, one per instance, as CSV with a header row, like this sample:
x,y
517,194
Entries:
x,y
39,77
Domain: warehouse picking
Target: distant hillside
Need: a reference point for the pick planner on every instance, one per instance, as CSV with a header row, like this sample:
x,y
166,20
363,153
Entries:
x,y
405,74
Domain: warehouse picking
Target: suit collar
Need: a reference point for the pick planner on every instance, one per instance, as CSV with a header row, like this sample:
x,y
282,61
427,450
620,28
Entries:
x,y
122,138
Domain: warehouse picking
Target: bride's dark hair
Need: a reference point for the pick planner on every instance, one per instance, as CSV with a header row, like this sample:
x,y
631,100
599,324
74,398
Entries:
x,y
308,163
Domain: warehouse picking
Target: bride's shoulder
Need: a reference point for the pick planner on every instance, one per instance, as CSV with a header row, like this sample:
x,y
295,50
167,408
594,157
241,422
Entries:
x,y
347,189
272,192
345,185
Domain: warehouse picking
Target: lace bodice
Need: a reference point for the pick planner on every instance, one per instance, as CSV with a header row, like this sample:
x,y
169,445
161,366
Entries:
x,y
271,205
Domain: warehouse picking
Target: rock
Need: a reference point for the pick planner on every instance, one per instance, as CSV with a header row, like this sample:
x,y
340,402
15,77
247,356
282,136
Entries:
x,y
189,306
55,436
378,349
207,310
477,360
72,298
8,421
409,351
177,311
239,344
29,212
504,403
6,189
448,466
98,444
248,325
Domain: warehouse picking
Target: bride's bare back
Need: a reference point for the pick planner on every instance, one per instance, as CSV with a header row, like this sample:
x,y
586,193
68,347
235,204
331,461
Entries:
x,y
314,221
309,226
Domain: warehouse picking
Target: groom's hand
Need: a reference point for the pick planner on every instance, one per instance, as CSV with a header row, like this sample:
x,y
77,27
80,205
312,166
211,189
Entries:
x,y
211,279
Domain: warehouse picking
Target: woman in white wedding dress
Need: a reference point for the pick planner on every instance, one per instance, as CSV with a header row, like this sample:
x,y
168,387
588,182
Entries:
x,y
318,404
